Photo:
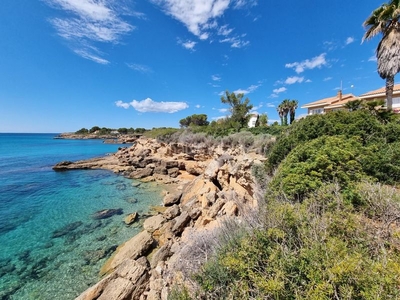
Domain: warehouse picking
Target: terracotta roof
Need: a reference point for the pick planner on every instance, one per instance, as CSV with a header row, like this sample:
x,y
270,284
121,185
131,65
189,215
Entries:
x,y
331,101
380,92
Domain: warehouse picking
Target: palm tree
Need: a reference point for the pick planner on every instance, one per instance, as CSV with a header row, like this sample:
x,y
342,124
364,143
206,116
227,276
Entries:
x,y
280,112
283,110
292,110
385,20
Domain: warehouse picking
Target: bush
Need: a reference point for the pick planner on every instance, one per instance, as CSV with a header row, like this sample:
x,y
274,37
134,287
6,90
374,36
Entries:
x,y
324,160
317,249
359,124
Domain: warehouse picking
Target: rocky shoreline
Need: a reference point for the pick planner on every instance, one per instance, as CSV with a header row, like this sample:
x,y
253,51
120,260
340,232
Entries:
x,y
205,186
108,138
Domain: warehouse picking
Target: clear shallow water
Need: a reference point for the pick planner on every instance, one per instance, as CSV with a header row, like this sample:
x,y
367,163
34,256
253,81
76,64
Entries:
x,y
51,246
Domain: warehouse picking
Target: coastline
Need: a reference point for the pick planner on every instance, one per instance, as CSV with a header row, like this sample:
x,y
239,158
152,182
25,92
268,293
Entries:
x,y
204,187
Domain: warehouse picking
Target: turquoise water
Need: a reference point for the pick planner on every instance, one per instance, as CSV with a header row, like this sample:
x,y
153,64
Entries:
x,y
51,246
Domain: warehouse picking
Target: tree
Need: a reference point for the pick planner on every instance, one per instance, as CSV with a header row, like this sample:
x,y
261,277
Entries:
x,y
385,20
292,109
123,130
239,108
185,122
82,131
94,129
263,120
280,110
197,120
353,105
283,111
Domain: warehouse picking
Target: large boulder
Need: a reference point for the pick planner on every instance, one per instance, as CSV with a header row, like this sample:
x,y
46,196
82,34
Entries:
x,y
131,218
137,246
129,281
172,198
141,173
153,223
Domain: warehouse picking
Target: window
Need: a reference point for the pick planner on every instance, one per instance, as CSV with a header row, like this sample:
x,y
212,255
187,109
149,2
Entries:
x,y
396,100
316,111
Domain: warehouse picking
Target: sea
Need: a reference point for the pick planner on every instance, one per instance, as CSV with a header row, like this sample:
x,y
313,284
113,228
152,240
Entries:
x,y
52,245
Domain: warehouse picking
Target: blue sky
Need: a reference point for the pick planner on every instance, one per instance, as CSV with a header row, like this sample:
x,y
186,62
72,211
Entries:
x,y
68,64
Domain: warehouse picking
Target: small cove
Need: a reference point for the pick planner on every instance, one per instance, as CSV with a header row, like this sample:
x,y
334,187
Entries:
x,y
52,247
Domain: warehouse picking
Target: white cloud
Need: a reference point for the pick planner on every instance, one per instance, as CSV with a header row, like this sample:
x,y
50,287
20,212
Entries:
x,y
250,89
139,68
275,92
235,42
198,106
280,90
372,58
90,21
244,3
294,79
223,110
148,105
224,30
270,105
91,56
349,40
216,78
197,16
188,44
327,78
122,104
315,62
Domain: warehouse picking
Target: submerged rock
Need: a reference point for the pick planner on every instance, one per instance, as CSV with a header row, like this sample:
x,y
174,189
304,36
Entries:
x,y
66,229
93,256
107,213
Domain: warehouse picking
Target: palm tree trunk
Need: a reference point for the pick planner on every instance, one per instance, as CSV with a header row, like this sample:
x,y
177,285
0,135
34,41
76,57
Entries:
x,y
389,92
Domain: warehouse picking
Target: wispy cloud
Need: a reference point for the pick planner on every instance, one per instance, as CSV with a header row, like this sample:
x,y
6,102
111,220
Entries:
x,y
315,62
197,16
372,58
201,17
349,40
280,90
327,78
236,42
277,91
249,90
270,105
91,55
148,105
90,21
330,45
224,30
294,79
188,44
244,3
216,78
139,68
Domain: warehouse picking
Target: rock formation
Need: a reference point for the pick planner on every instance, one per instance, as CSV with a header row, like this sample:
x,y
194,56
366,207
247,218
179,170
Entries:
x,y
206,186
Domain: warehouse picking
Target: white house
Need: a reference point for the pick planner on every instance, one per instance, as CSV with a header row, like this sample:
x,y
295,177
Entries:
x,y
253,121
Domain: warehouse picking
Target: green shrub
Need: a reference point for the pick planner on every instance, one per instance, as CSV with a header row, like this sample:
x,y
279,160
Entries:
x,y
317,162
359,124
317,249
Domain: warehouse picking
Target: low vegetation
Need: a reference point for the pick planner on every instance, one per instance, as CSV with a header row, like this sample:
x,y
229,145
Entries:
x,y
328,226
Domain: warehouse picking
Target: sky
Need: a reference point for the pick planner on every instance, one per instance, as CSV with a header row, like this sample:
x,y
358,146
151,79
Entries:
x,y
72,64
